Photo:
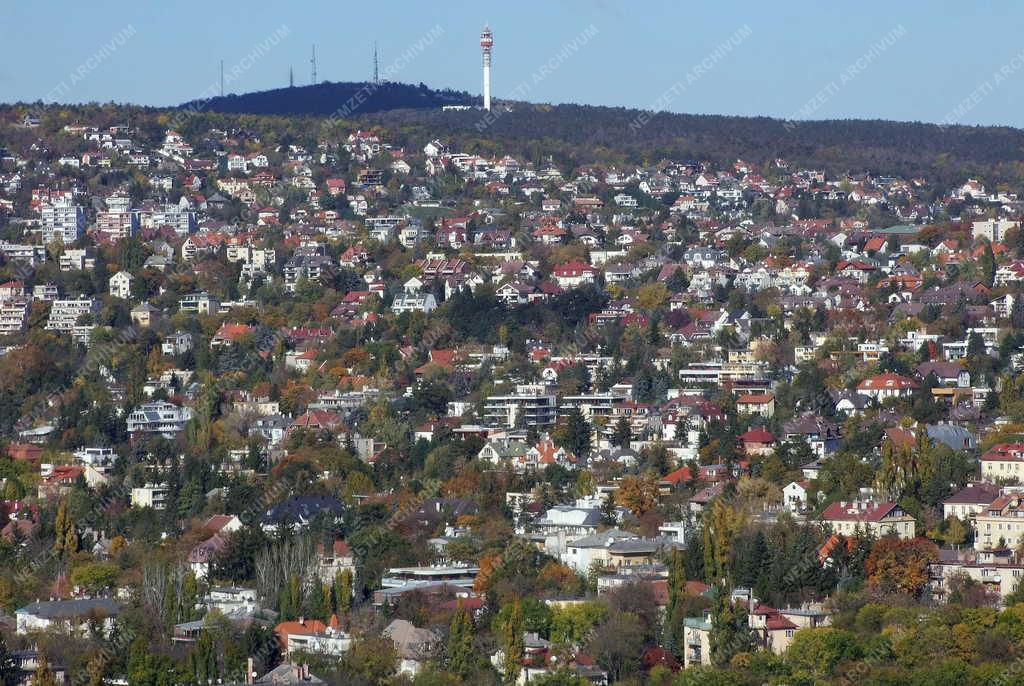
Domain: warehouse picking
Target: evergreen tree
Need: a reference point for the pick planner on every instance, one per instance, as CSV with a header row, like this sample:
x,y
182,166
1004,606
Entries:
x,y
10,675
623,433
730,630
574,435
609,515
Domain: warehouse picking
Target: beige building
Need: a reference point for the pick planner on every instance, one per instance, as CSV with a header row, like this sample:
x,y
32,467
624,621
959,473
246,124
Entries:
x,y
879,519
1001,524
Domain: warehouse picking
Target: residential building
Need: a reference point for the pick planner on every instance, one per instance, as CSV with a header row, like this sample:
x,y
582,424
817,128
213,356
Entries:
x,y
877,519
163,418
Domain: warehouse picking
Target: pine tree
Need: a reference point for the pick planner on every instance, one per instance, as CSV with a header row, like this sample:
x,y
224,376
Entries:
x,y
9,672
623,433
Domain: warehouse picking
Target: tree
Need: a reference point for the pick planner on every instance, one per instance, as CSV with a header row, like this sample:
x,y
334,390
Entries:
x,y
571,624
44,676
10,675
898,565
370,661
623,433
819,650
638,493
343,590
609,513
730,629
95,576
721,525
460,655
617,644
574,434
511,636
65,535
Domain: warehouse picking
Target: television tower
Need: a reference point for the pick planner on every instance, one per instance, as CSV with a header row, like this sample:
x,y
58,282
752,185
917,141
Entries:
x,y
376,73
313,62
486,43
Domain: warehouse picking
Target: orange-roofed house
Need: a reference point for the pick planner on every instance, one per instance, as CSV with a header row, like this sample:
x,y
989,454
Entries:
x,y
313,637
547,453
229,334
678,478
60,480
762,405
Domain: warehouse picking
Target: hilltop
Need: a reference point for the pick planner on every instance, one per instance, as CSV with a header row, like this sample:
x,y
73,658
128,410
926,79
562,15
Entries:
x,y
327,98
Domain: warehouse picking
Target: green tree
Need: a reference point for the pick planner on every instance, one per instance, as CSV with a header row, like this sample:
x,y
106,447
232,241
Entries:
x,y
623,433
574,435
730,630
512,643
460,655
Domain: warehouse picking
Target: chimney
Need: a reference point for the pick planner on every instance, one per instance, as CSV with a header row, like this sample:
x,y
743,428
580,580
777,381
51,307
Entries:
x,y
302,620
249,671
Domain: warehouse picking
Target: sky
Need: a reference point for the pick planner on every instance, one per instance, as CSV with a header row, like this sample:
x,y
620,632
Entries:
x,y
911,60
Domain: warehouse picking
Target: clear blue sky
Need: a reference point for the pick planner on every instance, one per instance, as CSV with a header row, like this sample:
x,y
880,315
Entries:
x,y
790,65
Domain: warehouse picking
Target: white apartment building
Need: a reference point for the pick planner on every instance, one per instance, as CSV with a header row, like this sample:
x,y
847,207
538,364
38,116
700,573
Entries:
x,y
62,220
530,405
64,314
77,259
993,230
150,495
14,315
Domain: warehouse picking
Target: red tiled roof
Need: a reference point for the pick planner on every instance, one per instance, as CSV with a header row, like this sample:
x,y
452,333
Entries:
x,y
757,436
857,512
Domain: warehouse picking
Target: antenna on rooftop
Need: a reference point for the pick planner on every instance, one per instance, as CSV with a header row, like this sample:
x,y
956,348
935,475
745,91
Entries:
x,y
312,61
222,78
376,74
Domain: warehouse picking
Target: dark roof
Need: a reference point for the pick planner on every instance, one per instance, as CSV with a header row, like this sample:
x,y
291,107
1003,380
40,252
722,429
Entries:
x,y
974,494
79,607
303,509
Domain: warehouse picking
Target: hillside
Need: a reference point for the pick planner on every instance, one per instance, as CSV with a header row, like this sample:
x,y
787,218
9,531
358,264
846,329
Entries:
x,y
327,98
884,147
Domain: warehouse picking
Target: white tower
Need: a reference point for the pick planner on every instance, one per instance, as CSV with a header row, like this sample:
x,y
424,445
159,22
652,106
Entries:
x,y
486,43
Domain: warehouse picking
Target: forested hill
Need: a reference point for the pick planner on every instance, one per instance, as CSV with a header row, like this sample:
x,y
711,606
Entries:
x,y
614,134
328,98
884,147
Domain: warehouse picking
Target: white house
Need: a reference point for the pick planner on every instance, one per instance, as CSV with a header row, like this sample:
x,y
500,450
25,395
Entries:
x,y
120,285
72,616
794,495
